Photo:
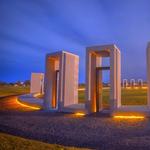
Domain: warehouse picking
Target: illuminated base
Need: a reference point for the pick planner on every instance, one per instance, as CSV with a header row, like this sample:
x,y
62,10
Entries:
x,y
131,112
123,112
80,114
27,105
78,109
128,117
30,101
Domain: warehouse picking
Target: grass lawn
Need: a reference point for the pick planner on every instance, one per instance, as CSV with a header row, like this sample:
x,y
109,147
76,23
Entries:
x,y
9,142
8,90
128,97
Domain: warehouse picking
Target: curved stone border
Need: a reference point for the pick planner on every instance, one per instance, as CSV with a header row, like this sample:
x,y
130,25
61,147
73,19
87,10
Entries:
x,y
31,100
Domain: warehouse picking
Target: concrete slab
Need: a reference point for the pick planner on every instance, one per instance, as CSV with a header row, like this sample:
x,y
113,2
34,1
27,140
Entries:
x,y
31,100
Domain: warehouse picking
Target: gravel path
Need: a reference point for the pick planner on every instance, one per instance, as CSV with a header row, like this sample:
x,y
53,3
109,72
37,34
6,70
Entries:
x,y
94,131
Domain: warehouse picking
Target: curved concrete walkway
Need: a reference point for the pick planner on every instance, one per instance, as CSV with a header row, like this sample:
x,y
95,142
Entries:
x,y
31,100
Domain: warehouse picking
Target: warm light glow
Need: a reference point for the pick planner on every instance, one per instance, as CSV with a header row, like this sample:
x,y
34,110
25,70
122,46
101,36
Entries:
x,y
24,105
129,117
144,88
81,89
79,114
36,94
128,87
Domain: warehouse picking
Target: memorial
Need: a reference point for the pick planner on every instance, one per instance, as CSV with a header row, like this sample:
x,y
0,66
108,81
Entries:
x,y
94,70
61,80
37,83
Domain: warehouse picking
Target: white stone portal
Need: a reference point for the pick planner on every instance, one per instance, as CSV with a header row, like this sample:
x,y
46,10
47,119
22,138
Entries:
x,y
140,109
132,83
61,80
125,83
94,70
140,83
37,83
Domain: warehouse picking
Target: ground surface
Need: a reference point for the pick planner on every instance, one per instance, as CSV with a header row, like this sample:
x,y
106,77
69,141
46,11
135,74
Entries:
x,y
10,108
12,90
128,97
9,142
93,131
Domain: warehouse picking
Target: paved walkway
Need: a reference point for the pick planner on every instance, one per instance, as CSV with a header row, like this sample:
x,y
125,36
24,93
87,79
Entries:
x,y
29,99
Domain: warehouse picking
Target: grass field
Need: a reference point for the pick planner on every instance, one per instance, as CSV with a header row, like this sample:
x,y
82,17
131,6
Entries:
x,y
9,142
8,90
128,97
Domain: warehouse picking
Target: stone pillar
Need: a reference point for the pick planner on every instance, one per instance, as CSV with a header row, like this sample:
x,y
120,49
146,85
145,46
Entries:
x,y
99,87
91,81
115,78
37,83
70,79
50,78
148,72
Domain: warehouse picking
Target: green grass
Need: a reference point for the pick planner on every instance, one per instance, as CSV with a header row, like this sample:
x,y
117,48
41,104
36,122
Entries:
x,y
128,97
8,90
9,142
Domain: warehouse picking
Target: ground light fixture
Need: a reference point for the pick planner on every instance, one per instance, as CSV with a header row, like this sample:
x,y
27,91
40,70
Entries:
x,y
80,114
128,117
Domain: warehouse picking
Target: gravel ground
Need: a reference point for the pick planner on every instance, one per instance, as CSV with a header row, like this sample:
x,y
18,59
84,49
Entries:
x,y
93,131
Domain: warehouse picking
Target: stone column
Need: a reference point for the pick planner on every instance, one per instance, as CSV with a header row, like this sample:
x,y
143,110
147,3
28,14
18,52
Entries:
x,y
148,72
49,83
37,83
92,77
115,79
91,81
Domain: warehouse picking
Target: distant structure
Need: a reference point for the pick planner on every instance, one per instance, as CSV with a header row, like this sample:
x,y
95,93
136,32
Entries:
x,y
140,83
132,83
61,81
125,83
94,70
37,83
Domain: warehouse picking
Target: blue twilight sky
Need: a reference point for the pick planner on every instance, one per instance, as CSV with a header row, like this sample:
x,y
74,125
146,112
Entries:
x,y
31,28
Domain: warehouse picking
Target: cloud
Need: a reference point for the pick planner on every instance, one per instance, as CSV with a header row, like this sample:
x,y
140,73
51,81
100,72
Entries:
x,y
34,28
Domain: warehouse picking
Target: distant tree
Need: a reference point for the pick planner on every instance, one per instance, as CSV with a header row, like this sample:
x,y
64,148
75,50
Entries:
x,y
11,84
19,83
3,83
81,84
27,82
